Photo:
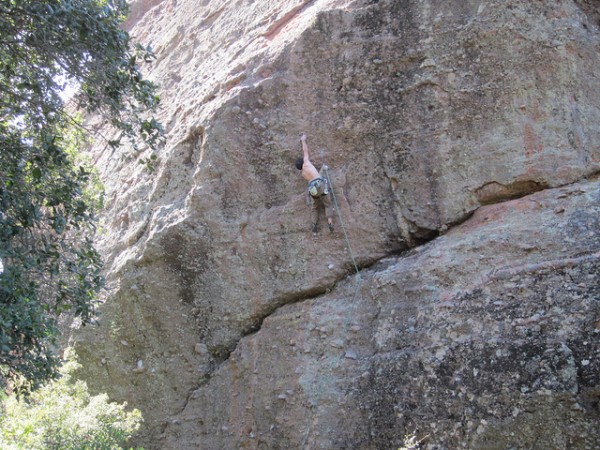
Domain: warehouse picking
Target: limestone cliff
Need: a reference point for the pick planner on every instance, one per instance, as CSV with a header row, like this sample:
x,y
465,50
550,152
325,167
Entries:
x,y
463,140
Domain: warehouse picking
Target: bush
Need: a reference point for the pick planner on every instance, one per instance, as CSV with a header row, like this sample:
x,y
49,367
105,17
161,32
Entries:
x,y
62,415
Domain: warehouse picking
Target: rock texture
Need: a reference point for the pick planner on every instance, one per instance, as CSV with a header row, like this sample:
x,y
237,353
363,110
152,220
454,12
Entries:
x,y
463,139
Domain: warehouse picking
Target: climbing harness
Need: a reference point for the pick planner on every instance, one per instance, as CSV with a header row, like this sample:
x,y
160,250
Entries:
x,y
318,187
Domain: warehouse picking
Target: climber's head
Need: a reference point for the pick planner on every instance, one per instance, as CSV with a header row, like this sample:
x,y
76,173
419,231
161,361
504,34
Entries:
x,y
299,163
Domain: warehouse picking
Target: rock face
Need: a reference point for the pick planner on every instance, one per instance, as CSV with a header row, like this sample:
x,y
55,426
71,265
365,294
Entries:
x,y
459,301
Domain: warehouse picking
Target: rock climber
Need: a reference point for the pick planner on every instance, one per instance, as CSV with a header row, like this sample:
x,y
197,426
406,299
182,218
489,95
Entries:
x,y
318,188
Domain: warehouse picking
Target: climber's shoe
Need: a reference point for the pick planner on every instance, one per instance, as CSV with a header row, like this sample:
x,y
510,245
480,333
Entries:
x,y
330,225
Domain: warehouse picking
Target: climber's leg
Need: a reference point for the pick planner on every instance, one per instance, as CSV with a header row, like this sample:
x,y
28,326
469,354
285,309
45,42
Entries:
x,y
329,209
314,214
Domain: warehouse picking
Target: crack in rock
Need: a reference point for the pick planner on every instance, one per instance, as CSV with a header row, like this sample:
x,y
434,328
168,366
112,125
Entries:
x,y
317,291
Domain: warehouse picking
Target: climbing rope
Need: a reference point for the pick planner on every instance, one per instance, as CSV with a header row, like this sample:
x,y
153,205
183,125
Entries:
x,y
337,210
342,225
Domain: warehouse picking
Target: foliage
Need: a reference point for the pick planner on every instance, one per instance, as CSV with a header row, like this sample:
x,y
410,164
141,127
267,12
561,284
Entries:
x,y
77,41
78,138
48,263
62,415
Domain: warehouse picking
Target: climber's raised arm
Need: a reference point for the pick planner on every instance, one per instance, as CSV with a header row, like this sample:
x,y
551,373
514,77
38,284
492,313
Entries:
x,y
304,147
308,170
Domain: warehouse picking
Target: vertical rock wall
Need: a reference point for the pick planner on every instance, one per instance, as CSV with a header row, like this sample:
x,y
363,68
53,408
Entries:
x,y
463,142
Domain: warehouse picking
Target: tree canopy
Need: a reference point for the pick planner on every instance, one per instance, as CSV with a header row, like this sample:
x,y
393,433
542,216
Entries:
x,y
48,261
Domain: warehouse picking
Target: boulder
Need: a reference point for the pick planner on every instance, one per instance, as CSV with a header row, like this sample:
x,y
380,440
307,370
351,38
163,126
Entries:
x,y
456,298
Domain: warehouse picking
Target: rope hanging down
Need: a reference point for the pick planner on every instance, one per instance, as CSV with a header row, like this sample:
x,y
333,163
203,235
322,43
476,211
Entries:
x,y
337,209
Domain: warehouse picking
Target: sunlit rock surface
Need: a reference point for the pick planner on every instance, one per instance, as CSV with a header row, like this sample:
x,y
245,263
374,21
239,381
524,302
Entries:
x,y
463,140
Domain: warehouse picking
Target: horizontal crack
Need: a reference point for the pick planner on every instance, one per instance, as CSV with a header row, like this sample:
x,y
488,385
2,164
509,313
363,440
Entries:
x,y
494,192
307,294
317,291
